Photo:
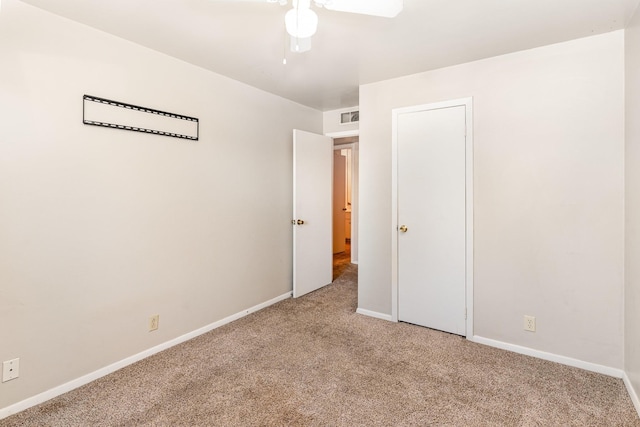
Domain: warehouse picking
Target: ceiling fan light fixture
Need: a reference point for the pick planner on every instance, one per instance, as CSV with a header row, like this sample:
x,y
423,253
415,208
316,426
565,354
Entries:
x,y
301,22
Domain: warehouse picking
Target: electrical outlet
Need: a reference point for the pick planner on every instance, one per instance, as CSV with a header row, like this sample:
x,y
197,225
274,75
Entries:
x,y
10,370
154,322
529,323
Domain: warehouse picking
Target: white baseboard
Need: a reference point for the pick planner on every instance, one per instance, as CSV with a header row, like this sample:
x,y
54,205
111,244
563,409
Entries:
x,y
374,314
632,392
85,379
564,360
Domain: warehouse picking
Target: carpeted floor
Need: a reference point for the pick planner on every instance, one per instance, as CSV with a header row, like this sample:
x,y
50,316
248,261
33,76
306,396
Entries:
x,y
313,362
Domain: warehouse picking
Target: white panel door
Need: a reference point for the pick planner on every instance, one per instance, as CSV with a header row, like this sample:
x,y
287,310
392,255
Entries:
x,y
312,233
339,201
431,205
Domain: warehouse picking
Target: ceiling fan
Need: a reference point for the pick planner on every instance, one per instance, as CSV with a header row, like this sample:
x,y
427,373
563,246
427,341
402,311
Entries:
x,y
301,22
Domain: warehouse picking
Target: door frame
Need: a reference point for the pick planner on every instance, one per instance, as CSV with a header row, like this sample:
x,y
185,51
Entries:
x,y
395,113
355,185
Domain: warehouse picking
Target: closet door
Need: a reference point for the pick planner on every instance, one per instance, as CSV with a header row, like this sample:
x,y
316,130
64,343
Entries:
x,y
431,217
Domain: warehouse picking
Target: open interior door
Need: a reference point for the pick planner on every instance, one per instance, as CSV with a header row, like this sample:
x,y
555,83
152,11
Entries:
x,y
312,212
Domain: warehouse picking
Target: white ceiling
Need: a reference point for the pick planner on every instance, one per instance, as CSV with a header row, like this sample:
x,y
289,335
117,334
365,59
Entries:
x,y
246,41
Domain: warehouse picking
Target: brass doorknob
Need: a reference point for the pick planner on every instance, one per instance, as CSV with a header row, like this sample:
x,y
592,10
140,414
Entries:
x,y
300,222
403,228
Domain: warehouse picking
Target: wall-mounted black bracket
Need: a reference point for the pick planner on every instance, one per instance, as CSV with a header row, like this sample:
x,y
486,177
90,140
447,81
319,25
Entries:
x,y
103,112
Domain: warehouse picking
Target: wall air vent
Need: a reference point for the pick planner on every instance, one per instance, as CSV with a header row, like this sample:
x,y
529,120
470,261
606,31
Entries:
x,y
349,117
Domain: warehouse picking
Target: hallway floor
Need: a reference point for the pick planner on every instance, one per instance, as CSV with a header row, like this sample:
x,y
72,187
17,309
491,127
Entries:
x,y
341,261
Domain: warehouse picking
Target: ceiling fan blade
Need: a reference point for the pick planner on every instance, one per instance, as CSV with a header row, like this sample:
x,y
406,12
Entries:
x,y
383,8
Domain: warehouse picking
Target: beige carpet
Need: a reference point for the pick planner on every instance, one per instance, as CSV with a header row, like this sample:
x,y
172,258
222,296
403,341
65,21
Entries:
x,y
314,362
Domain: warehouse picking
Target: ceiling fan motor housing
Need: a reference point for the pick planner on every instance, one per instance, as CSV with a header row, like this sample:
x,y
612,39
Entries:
x,y
301,21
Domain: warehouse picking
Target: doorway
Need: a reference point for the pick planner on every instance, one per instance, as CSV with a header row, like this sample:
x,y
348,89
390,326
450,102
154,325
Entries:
x,y
432,252
312,209
344,219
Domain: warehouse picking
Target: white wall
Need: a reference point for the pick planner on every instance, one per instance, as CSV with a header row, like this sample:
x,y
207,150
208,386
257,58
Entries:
x,y
548,182
632,205
101,228
331,121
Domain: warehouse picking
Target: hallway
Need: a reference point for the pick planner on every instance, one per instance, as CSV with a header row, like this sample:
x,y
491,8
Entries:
x,y
341,261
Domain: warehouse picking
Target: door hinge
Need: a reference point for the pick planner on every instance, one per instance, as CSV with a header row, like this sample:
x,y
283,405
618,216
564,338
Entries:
x,y
465,314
